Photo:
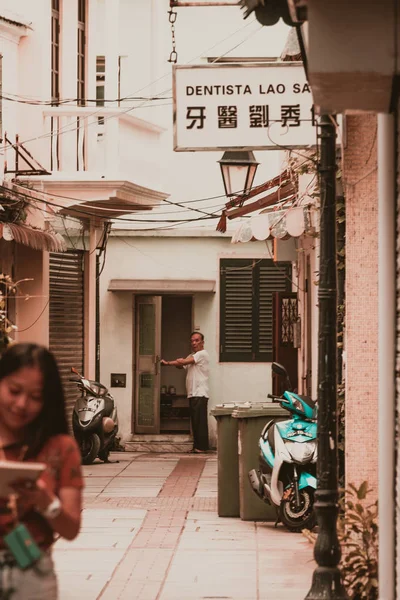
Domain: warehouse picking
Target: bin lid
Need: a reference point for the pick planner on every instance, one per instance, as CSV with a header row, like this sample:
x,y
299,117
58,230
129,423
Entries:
x,y
259,409
221,410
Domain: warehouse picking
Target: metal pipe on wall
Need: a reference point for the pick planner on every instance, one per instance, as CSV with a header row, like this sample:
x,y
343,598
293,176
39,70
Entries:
x,y
386,353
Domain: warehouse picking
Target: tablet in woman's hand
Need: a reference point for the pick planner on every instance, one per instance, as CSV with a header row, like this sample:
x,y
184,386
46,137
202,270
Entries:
x,y
12,471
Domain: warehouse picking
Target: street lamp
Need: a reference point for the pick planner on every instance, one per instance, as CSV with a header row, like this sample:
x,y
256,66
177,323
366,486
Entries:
x,y
238,169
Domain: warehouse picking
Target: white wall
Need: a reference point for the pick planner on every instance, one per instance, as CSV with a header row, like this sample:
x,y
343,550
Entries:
x,y
183,258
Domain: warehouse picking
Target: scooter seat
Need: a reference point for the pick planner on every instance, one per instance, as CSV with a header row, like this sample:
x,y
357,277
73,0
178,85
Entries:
x,y
311,403
101,389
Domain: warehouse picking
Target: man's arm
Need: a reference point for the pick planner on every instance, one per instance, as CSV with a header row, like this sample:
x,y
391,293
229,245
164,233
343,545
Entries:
x,y
179,363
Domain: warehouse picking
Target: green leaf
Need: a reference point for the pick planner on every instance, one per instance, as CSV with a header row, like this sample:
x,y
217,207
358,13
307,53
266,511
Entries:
x,y
362,490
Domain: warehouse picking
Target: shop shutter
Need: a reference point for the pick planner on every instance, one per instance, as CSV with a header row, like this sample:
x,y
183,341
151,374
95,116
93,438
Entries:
x,y
247,287
66,318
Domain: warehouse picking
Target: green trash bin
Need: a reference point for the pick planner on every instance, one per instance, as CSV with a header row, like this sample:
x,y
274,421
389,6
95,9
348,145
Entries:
x,y
251,419
228,460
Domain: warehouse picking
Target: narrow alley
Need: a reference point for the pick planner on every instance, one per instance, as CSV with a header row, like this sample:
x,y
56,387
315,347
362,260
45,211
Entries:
x,y
151,531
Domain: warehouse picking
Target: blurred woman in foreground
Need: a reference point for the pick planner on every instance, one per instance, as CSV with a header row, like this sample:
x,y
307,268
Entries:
x,y
33,428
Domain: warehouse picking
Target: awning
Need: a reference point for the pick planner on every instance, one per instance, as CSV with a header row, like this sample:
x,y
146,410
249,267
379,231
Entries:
x,y
162,286
281,224
34,238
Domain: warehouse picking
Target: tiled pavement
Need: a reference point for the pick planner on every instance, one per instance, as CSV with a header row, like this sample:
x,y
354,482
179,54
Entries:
x,y
151,532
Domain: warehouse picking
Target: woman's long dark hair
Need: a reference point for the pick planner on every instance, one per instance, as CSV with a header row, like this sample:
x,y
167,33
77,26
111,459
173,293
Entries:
x,y
51,420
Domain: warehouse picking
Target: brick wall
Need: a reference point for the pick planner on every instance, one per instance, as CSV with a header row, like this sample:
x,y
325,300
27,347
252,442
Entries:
x,y
361,341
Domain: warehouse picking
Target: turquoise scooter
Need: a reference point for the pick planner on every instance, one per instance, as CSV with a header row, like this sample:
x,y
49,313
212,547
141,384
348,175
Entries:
x,y
286,477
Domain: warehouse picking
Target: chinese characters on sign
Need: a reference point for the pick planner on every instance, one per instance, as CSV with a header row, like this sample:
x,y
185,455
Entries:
x,y
258,116
261,106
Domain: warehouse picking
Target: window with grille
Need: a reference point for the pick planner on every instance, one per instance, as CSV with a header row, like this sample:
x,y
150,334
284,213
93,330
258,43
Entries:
x,y
100,79
100,85
247,287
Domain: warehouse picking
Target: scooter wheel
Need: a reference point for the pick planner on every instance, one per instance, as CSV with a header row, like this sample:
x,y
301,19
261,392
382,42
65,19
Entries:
x,y
90,447
298,518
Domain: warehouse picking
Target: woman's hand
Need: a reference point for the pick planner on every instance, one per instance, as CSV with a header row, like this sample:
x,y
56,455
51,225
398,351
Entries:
x,y
33,493
37,495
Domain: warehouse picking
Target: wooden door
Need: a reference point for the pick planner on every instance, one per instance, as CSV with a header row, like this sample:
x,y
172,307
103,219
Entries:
x,y
147,371
285,315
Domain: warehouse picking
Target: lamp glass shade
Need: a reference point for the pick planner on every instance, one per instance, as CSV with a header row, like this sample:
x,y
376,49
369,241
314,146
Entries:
x,y
238,171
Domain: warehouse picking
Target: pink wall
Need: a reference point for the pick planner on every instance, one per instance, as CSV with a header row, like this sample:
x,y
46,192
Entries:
x,y
32,315
360,176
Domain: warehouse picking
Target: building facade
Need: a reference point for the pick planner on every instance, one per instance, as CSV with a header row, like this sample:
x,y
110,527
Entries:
x,y
75,158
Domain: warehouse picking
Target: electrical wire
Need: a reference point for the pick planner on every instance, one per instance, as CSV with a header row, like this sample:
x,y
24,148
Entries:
x,y
116,210
147,206
43,309
67,129
72,101
120,219
289,149
64,100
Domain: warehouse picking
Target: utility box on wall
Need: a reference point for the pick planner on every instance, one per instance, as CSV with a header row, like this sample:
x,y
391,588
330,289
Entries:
x,y
285,250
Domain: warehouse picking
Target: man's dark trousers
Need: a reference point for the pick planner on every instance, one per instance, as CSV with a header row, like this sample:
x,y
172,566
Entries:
x,y
199,420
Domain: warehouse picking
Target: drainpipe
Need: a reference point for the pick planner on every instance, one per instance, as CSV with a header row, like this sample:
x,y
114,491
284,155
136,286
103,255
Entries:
x,y
386,353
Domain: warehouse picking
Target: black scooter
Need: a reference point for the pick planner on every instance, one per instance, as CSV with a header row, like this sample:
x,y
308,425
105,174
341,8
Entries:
x,y
94,420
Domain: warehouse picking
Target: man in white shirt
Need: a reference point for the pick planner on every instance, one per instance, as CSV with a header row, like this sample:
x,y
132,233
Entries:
x,y
197,371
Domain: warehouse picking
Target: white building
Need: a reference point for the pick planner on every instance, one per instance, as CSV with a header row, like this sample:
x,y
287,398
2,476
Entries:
x,y
79,157
161,281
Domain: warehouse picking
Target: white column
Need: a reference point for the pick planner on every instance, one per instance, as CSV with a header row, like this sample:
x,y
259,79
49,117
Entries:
x,y
68,143
386,353
111,15
90,304
111,153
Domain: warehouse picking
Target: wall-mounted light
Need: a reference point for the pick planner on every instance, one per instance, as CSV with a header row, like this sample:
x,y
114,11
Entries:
x,y
238,169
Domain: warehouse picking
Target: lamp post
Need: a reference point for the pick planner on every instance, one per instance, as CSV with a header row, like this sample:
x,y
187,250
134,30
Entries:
x,y
326,584
238,169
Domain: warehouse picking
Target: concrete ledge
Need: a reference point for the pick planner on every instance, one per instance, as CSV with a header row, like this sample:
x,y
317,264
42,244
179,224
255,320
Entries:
x,y
158,446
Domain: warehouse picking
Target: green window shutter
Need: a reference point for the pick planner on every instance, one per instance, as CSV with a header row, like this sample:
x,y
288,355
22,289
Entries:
x,y
246,295
273,277
236,310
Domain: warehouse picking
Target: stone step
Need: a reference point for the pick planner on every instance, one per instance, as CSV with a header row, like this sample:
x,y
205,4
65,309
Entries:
x,y
159,443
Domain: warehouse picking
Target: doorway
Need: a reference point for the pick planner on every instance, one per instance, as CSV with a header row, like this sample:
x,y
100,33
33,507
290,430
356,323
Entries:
x,y
285,315
162,325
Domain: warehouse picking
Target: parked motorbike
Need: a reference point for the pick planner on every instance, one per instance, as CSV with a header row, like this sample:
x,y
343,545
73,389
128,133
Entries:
x,y
94,420
286,476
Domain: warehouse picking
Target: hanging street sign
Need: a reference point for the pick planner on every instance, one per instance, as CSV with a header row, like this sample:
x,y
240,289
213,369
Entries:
x,y
264,106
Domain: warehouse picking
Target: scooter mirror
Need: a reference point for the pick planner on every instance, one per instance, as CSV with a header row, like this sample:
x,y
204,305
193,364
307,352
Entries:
x,y
73,370
279,369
